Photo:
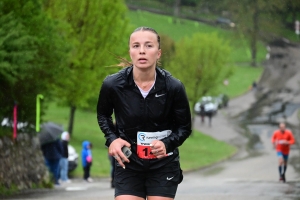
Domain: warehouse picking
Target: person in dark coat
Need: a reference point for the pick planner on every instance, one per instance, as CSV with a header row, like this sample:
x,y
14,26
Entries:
x,y
64,163
52,152
202,112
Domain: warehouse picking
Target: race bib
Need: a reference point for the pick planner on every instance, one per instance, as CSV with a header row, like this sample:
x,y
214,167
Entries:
x,y
144,140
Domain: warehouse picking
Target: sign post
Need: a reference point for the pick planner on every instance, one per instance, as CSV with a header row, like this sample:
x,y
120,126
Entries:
x,y
297,28
37,126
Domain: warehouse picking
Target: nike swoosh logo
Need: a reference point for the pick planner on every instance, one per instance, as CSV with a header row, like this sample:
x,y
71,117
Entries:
x,y
159,95
170,178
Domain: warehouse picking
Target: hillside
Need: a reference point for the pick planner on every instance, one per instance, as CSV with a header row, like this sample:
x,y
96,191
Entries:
x,y
164,25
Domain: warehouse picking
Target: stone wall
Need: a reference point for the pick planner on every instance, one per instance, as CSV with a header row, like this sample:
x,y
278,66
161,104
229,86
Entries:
x,y
22,163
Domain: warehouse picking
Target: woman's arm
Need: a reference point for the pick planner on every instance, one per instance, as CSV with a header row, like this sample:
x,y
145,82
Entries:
x,y
182,120
105,111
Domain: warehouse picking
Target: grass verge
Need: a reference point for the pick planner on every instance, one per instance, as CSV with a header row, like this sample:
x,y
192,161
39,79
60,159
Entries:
x,y
241,81
201,150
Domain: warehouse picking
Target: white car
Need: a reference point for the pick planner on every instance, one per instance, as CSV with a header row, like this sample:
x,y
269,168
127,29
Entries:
x,y
73,158
210,105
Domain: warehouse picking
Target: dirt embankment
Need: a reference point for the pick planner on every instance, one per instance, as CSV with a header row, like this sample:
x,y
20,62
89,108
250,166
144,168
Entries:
x,y
278,94
282,70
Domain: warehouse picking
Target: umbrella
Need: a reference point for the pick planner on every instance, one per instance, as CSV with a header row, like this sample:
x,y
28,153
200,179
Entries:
x,y
50,132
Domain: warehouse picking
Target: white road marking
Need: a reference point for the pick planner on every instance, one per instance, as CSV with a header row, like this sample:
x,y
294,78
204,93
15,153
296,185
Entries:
x,y
75,188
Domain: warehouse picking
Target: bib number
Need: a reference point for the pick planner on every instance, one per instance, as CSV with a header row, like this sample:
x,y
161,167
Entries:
x,y
144,140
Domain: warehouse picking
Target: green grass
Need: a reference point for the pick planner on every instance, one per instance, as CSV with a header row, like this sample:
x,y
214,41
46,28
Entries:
x,y
164,25
241,81
4,191
85,128
199,150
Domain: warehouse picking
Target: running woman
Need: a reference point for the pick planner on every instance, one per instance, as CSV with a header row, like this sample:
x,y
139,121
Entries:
x,y
282,139
153,118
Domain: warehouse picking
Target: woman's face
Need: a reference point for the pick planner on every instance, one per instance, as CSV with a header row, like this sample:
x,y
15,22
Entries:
x,y
144,49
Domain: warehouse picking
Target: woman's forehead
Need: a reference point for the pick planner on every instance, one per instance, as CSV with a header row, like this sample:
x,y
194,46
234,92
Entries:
x,y
143,36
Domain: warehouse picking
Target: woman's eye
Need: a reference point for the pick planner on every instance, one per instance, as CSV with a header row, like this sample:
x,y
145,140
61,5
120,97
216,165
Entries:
x,y
135,46
149,45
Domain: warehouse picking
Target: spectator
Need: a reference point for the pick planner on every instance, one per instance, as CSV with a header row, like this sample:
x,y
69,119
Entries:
x,y
53,153
64,160
86,157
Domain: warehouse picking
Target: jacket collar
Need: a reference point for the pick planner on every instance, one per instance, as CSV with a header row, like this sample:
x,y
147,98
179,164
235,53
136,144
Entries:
x,y
160,82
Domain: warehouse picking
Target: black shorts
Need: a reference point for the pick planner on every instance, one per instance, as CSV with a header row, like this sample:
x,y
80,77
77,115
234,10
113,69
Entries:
x,y
142,183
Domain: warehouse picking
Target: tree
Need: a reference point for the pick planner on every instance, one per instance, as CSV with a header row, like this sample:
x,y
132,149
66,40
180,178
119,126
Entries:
x,y
95,28
290,13
201,63
168,50
254,17
31,53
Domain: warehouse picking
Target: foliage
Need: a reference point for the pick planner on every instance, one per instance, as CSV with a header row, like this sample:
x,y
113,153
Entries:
x,y
201,63
96,30
6,191
164,26
29,47
255,20
289,13
168,49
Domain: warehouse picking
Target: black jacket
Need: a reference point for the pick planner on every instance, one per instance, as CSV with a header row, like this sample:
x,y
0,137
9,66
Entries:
x,y
52,150
165,108
64,144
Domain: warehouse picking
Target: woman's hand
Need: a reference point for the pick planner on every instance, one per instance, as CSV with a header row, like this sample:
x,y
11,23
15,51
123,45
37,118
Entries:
x,y
158,149
115,151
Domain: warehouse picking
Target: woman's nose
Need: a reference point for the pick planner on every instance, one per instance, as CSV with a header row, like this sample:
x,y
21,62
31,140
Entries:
x,y
142,50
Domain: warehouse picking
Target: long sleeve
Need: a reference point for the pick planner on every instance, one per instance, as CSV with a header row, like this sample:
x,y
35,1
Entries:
x,y
105,111
273,138
182,120
291,139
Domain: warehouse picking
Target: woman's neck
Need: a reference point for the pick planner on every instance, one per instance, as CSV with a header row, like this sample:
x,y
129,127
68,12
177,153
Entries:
x,y
145,75
144,79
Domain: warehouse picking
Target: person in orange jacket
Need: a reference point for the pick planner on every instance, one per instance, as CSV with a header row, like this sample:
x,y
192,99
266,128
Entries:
x,y
282,139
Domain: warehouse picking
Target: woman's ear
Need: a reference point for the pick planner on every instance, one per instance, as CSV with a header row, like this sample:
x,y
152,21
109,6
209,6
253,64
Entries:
x,y
159,54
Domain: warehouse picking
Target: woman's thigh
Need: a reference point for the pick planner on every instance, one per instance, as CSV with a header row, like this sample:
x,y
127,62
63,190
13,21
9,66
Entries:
x,y
128,197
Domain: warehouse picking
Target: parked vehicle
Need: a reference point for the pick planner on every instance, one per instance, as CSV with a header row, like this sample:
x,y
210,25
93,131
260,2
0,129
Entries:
x,y
225,22
73,158
222,100
210,105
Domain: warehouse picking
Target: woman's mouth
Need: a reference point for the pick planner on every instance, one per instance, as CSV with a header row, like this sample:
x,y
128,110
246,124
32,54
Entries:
x,y
142,60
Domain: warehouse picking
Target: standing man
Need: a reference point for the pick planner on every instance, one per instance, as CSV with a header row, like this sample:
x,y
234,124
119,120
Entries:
x,y
52,152
282,139
64,163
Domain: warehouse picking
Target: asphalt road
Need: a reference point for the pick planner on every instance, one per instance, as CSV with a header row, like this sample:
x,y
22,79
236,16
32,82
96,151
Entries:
x,y
250,174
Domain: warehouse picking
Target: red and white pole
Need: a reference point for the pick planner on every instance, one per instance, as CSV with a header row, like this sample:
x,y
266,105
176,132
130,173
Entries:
x,y
15,121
